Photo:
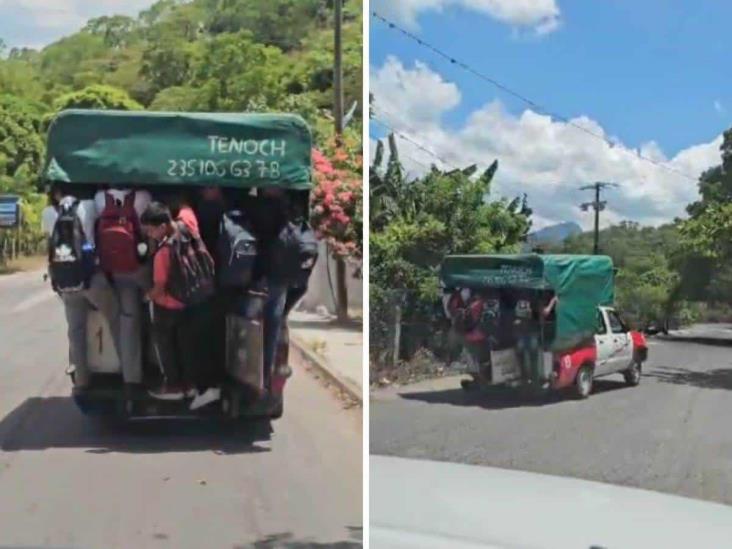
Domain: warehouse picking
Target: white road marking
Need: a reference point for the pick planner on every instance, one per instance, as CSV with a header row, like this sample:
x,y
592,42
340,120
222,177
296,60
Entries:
x,y
33,300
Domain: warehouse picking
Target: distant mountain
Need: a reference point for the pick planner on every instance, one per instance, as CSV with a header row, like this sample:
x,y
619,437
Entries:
x,y
554,234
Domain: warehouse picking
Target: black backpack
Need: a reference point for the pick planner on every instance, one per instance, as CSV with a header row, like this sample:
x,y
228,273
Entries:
x,y
237,251
491,317
294,253
70,256
192,271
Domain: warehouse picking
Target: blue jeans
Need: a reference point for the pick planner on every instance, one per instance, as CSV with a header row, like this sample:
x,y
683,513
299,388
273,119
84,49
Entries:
x,y
274,314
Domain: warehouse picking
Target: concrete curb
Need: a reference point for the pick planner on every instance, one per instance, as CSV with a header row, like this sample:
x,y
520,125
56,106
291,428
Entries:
x,y
305,356
719,342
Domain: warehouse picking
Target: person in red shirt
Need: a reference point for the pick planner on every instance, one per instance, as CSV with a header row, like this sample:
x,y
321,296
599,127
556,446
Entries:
x,y
181,210
187,216
174,336
209,319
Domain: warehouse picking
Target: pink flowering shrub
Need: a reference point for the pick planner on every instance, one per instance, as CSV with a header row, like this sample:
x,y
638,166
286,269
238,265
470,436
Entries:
x,y
337,202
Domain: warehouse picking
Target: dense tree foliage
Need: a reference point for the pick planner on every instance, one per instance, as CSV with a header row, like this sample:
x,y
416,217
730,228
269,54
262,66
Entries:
x,y
659,275
648,281
229,55
21,144
414,224
223,55
97,97
707,232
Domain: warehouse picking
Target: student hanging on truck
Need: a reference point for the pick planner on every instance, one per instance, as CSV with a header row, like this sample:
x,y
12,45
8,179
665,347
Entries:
x,y
530,314
288,253
206,318
308,250
122,254
474,315
69,223
209,210
525,330
183,284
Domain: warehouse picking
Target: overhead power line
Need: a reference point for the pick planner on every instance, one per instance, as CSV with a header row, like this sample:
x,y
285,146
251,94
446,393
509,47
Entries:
x,y
531,103
421,147
410,157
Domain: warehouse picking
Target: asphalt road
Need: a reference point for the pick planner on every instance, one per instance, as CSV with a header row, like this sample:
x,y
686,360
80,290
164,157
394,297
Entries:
x,y
672,433
65,482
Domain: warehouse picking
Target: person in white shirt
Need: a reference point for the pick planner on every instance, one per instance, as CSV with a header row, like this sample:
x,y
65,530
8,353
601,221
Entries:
x,y
129,288
49,215
142,198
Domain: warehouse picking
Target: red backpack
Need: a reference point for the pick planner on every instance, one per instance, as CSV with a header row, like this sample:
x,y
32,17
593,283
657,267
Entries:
x,y
465,316
118,234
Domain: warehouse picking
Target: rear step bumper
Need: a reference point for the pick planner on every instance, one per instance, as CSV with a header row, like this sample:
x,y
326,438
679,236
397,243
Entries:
x,y
234,403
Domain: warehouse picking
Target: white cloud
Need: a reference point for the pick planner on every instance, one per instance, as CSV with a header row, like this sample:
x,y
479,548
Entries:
x,y
718,106
541,15
435,95
547,159
23,22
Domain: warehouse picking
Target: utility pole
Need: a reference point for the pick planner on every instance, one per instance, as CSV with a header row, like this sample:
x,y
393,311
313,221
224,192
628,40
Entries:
x,y
338,70
341,274
597,205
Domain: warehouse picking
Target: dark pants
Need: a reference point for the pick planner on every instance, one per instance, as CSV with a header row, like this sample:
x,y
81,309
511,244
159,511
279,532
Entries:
x,y
293,296
179,343
530,355
211,321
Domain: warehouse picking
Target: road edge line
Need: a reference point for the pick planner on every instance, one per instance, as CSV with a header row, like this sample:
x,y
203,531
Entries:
x,y
319,363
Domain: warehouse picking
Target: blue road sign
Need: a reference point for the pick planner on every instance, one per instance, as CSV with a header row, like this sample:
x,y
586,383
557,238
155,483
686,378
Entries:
x,y
9,211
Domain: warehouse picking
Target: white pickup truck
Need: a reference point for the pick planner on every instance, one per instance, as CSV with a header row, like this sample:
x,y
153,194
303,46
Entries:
x,y
615,349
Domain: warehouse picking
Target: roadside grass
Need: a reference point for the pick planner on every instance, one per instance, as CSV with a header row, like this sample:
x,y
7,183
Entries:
x,y
318,346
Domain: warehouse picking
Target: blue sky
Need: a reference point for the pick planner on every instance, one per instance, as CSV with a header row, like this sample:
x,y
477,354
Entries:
x,y
651,74
37,23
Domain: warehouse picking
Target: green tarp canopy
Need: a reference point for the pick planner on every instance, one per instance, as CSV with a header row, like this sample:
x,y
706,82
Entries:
x,y
138,148
581,282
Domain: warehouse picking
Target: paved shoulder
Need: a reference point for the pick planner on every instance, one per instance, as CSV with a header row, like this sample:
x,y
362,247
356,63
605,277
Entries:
x,y
340,346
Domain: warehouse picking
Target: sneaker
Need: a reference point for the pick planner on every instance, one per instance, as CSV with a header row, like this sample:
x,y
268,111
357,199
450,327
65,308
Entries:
x,y
207,397
191,392
167,392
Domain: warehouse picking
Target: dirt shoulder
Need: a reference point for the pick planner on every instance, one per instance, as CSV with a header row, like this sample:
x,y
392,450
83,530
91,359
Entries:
x,y
423,366
23,264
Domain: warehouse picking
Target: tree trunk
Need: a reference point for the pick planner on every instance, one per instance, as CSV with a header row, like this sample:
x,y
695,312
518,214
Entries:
x,y
341,290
